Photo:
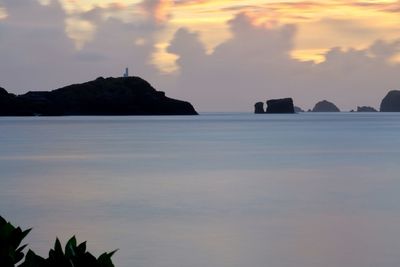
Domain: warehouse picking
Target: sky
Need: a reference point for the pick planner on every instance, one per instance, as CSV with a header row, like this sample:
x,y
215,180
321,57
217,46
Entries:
x,y
221,55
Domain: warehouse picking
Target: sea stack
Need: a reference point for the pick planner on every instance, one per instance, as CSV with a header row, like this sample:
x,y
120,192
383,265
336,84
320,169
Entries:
x,y
259,108
391,102
325,106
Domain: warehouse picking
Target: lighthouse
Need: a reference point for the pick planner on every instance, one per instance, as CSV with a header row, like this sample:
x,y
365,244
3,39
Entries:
x,y
126,74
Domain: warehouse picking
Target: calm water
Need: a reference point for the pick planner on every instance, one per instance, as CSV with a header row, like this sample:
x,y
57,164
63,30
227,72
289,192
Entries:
x,y
217,190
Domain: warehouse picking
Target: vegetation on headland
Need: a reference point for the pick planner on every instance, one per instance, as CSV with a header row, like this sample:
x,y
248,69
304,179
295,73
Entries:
x,y
74,254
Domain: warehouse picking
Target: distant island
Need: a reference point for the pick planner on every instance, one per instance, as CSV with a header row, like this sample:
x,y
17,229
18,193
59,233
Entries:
x,y
103,96
390,103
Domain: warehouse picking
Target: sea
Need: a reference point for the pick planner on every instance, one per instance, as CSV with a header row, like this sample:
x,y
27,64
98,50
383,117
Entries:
x,y
215,190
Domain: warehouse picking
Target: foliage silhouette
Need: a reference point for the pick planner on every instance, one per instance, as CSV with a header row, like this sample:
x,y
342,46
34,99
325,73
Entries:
x,y
74,255
10,241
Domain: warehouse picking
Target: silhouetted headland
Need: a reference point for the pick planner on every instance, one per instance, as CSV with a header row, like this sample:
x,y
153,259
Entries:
x,y
110,96
275,106
391,102
325,106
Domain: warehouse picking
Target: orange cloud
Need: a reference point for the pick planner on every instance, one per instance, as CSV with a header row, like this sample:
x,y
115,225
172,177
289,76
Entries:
x,y
162,9
322,23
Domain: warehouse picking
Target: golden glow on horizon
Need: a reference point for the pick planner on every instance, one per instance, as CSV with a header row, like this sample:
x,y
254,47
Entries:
x,y
322,24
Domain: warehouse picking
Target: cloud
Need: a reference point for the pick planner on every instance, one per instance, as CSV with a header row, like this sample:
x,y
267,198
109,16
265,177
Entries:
x,y
159,10
3,12
37,54
380,6
38,42
83,21
188,48
44,2
80,31
385,50
123,44
32,44
238,70
255,64
350,23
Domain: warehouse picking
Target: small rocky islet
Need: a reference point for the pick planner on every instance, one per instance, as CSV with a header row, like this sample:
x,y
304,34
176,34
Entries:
x,y
390,103
103,96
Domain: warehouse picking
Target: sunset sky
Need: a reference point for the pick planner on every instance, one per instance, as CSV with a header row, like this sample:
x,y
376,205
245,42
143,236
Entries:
x,y
221,55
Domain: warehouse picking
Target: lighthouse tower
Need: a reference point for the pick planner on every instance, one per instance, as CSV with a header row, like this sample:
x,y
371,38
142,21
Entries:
x,y
126,74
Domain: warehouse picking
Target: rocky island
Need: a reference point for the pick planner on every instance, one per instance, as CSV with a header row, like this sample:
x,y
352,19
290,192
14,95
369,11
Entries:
x,y
391,102
103,96
325,106
275,106
366,109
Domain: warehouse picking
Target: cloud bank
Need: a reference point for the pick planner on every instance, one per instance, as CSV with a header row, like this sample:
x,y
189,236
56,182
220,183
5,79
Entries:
x,y
255,64
44,47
